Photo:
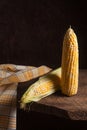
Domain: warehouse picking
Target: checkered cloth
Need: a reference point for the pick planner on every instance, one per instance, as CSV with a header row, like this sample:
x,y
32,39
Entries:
x,y
10,75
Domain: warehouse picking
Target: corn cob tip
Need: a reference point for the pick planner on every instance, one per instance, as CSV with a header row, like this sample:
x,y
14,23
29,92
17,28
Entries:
x,y
22,106
70,26
70,37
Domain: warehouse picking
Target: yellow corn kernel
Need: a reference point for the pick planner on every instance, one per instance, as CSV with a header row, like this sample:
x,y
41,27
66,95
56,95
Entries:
x,y
46,85
69,78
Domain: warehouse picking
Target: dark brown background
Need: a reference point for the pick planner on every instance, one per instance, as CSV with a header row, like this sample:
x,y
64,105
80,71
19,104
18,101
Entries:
x,y
31,33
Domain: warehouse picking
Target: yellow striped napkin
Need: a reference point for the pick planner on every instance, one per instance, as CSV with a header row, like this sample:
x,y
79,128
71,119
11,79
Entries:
x,y
10,75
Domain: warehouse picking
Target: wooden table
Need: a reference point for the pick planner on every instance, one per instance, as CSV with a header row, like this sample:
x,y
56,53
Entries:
x,y
73,108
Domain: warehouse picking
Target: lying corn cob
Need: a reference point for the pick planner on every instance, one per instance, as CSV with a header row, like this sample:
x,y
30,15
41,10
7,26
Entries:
x,y
69,81
46,85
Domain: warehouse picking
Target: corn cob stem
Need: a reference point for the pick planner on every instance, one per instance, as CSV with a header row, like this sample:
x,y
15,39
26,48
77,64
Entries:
x,y
69,79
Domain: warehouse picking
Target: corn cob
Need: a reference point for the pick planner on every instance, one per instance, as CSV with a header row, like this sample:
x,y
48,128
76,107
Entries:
x,y
69,78
46,85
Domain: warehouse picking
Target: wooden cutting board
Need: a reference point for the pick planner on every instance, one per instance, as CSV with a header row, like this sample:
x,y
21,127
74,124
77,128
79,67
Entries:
x,y
73,108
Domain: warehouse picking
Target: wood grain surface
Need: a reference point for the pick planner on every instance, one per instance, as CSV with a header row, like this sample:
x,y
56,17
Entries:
x,y
57,104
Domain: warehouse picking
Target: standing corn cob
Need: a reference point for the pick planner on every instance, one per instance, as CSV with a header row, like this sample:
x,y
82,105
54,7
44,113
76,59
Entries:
x,y
69,81
46,85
